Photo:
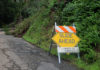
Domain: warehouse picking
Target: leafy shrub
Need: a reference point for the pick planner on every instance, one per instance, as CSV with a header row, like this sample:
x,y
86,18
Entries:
x,y
90,56
85,15
22,27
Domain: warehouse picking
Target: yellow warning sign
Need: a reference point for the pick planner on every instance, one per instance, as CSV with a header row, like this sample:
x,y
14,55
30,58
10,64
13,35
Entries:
x,y
66,39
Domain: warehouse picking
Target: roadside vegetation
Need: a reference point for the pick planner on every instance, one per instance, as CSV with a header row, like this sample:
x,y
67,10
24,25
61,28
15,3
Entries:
x,y
38,17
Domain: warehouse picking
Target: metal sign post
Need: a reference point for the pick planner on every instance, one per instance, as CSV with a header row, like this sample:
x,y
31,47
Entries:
x,y
53,31
59,56
78,54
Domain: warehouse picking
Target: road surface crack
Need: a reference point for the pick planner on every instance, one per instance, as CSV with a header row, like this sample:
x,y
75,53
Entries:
x,y
11,65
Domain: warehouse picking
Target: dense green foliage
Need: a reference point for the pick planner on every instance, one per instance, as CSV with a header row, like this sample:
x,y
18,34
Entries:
x,y
85,14
36,16
42,14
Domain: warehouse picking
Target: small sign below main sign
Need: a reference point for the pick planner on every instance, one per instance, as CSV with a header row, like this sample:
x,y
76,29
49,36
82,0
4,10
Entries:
x,y
68,49
66,39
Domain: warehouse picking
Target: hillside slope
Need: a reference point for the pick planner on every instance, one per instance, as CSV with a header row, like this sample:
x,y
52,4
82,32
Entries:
x,y
85,14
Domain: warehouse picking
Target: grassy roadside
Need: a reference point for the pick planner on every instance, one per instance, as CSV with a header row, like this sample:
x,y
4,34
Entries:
x,y
72,58
39,34
42,39
85,66
37,30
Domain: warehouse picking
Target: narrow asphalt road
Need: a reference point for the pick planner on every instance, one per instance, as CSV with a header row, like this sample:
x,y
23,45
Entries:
x,y
17,54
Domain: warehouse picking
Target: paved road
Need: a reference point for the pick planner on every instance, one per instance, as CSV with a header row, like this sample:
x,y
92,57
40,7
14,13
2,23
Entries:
x,y
17,54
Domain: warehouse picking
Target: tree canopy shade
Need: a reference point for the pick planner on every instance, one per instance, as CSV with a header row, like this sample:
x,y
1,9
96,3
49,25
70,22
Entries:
x,y
9,11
